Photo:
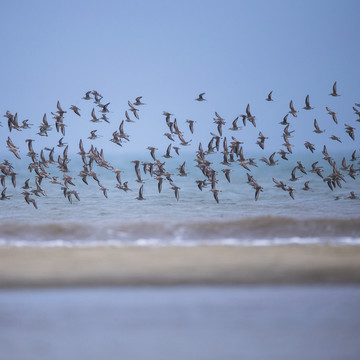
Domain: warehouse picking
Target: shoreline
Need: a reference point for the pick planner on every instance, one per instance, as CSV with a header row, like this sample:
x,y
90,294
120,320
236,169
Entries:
x,y
178,266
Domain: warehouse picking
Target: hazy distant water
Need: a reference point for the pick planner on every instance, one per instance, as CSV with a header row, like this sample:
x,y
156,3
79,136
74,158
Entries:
x,y
313,217
201,323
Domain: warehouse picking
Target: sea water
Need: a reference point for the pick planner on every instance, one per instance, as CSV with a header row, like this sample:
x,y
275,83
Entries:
x,y
315,216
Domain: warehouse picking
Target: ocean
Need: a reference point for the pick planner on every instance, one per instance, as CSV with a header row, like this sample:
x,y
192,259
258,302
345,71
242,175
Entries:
x,y
315,216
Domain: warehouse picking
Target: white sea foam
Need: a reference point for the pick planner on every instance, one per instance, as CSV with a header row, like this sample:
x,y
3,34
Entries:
x,y
153,242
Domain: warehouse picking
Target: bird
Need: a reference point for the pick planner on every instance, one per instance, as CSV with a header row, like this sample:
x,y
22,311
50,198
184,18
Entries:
x,y
140,197
307,103
293,174
334,90
75,109
181,169
270,161
306,186
261,140
292,111
333,115
167,155
152,151
215,194
269,98
87,95
353,196
350,131
317,129
310,146
93,116
201,97
336,138
93,135
258,189
234,125
176,190
227,173
284,121
191,125
279,184
138,101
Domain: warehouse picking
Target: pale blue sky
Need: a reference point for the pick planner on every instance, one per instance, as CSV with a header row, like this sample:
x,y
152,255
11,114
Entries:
x,y
169,52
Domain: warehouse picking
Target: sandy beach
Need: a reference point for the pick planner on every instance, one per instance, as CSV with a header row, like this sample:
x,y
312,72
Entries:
x,y
202,265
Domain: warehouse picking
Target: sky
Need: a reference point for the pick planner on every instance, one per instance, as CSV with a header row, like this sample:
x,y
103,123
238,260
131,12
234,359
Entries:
x,y
169,52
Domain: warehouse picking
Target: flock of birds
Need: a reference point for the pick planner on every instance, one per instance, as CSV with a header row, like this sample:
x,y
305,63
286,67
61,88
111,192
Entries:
x,y
232,153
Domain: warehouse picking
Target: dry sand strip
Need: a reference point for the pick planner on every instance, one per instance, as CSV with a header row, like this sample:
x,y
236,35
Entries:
x,y
157,266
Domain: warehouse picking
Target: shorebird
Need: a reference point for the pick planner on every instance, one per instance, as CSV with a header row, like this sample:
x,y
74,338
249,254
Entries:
x,y
261,141
176,190
75,109
28,199
333,115
3,194
227,173
93,135
61,143
181,169
307,103
279,184
292,111
133,110
138,101
140,197
167,155
284,121
201,97
87,95
93,116
137,171
334,90
215,193
316,169
25,124
152,151
350,131
191,125
283,154
309,146
291,192
270,161
333,137
104,107
104,190
317,129
352,196
269,98
201,184
234,125
293,175
60,111
128,117
258,189
168,135
249,116
306,186
353,156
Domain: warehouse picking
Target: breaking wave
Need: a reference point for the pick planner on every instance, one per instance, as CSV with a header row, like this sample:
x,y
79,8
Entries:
x,y
256,231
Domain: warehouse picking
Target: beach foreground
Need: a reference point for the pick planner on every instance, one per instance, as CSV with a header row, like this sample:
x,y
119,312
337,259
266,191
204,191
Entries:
x,y
157,266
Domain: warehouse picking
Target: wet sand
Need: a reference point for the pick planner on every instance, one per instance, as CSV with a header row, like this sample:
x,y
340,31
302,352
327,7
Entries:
x,y
161,266
160,323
